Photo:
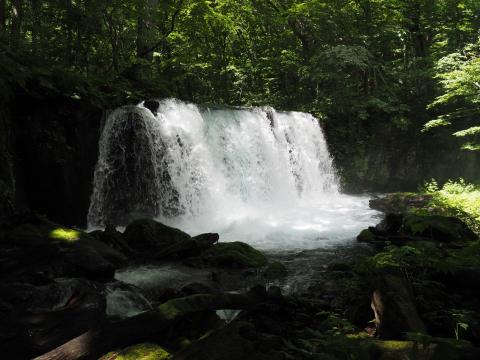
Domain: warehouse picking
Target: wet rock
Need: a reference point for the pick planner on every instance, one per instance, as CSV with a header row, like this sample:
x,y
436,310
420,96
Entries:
x,y
147,235
394,308
205,241
234,255
114,238
152,105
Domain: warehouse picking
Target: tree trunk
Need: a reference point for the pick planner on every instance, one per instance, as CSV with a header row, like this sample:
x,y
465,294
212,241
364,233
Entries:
x,y
3,17
17,21
36,40
97,342
145,28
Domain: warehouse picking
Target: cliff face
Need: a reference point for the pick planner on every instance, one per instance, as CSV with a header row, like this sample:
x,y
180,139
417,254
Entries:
x,y
378,157
51,148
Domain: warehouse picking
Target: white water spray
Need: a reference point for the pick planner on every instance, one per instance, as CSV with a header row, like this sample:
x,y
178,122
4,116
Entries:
x,y
254,175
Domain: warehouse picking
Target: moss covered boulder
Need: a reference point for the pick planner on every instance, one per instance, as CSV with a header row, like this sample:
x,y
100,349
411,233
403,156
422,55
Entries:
x,y
275,270
145,351
42,246
234,255
151,235
366,236
438,228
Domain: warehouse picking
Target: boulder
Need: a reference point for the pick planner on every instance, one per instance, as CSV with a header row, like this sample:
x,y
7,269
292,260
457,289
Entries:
x,y
234,255
438,228
205,241
366,236
33,245
147,235
152,105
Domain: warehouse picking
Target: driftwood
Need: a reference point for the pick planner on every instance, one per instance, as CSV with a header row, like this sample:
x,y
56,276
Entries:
x,y
97,342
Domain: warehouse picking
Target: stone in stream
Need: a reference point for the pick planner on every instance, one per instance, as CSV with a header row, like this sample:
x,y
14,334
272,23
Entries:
x,y
234,255
152,105
150,236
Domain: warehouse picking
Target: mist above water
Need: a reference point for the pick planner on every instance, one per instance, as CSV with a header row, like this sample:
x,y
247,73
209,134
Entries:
x,y
255,175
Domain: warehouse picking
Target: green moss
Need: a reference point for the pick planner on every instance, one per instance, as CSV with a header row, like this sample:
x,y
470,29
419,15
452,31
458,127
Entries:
x,y
275,270
145,351
65,234
41,231
366,236
148,232
234,254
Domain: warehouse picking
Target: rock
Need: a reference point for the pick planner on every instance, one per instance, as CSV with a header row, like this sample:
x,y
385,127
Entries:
x,y
152,105
366,235
189,247
228,343
275,270
400,203
38,246
234,255
147,235
205,241
438,228
391,224
145,351
50,315
394,308
182,249
114,238
195,288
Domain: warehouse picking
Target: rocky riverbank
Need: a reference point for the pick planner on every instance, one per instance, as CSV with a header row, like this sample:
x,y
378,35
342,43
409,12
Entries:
x,y
155,292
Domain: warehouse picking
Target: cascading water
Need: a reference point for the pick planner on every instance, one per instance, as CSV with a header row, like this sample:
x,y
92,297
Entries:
x,y
254,175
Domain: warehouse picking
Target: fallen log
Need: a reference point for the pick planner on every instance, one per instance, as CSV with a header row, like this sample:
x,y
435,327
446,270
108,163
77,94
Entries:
x,y
97,342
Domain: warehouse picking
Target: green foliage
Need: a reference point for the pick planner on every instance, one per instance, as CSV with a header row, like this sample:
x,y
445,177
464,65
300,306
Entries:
x,y
455,198
459,75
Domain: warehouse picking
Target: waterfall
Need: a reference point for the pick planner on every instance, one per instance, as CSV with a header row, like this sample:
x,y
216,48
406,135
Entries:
x,y
215,169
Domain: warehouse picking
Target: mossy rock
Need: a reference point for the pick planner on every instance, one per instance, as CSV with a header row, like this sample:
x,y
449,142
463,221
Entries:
x,y
148,234
275,270
145,351
366,236
38,231
59,250
234,255
438,228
